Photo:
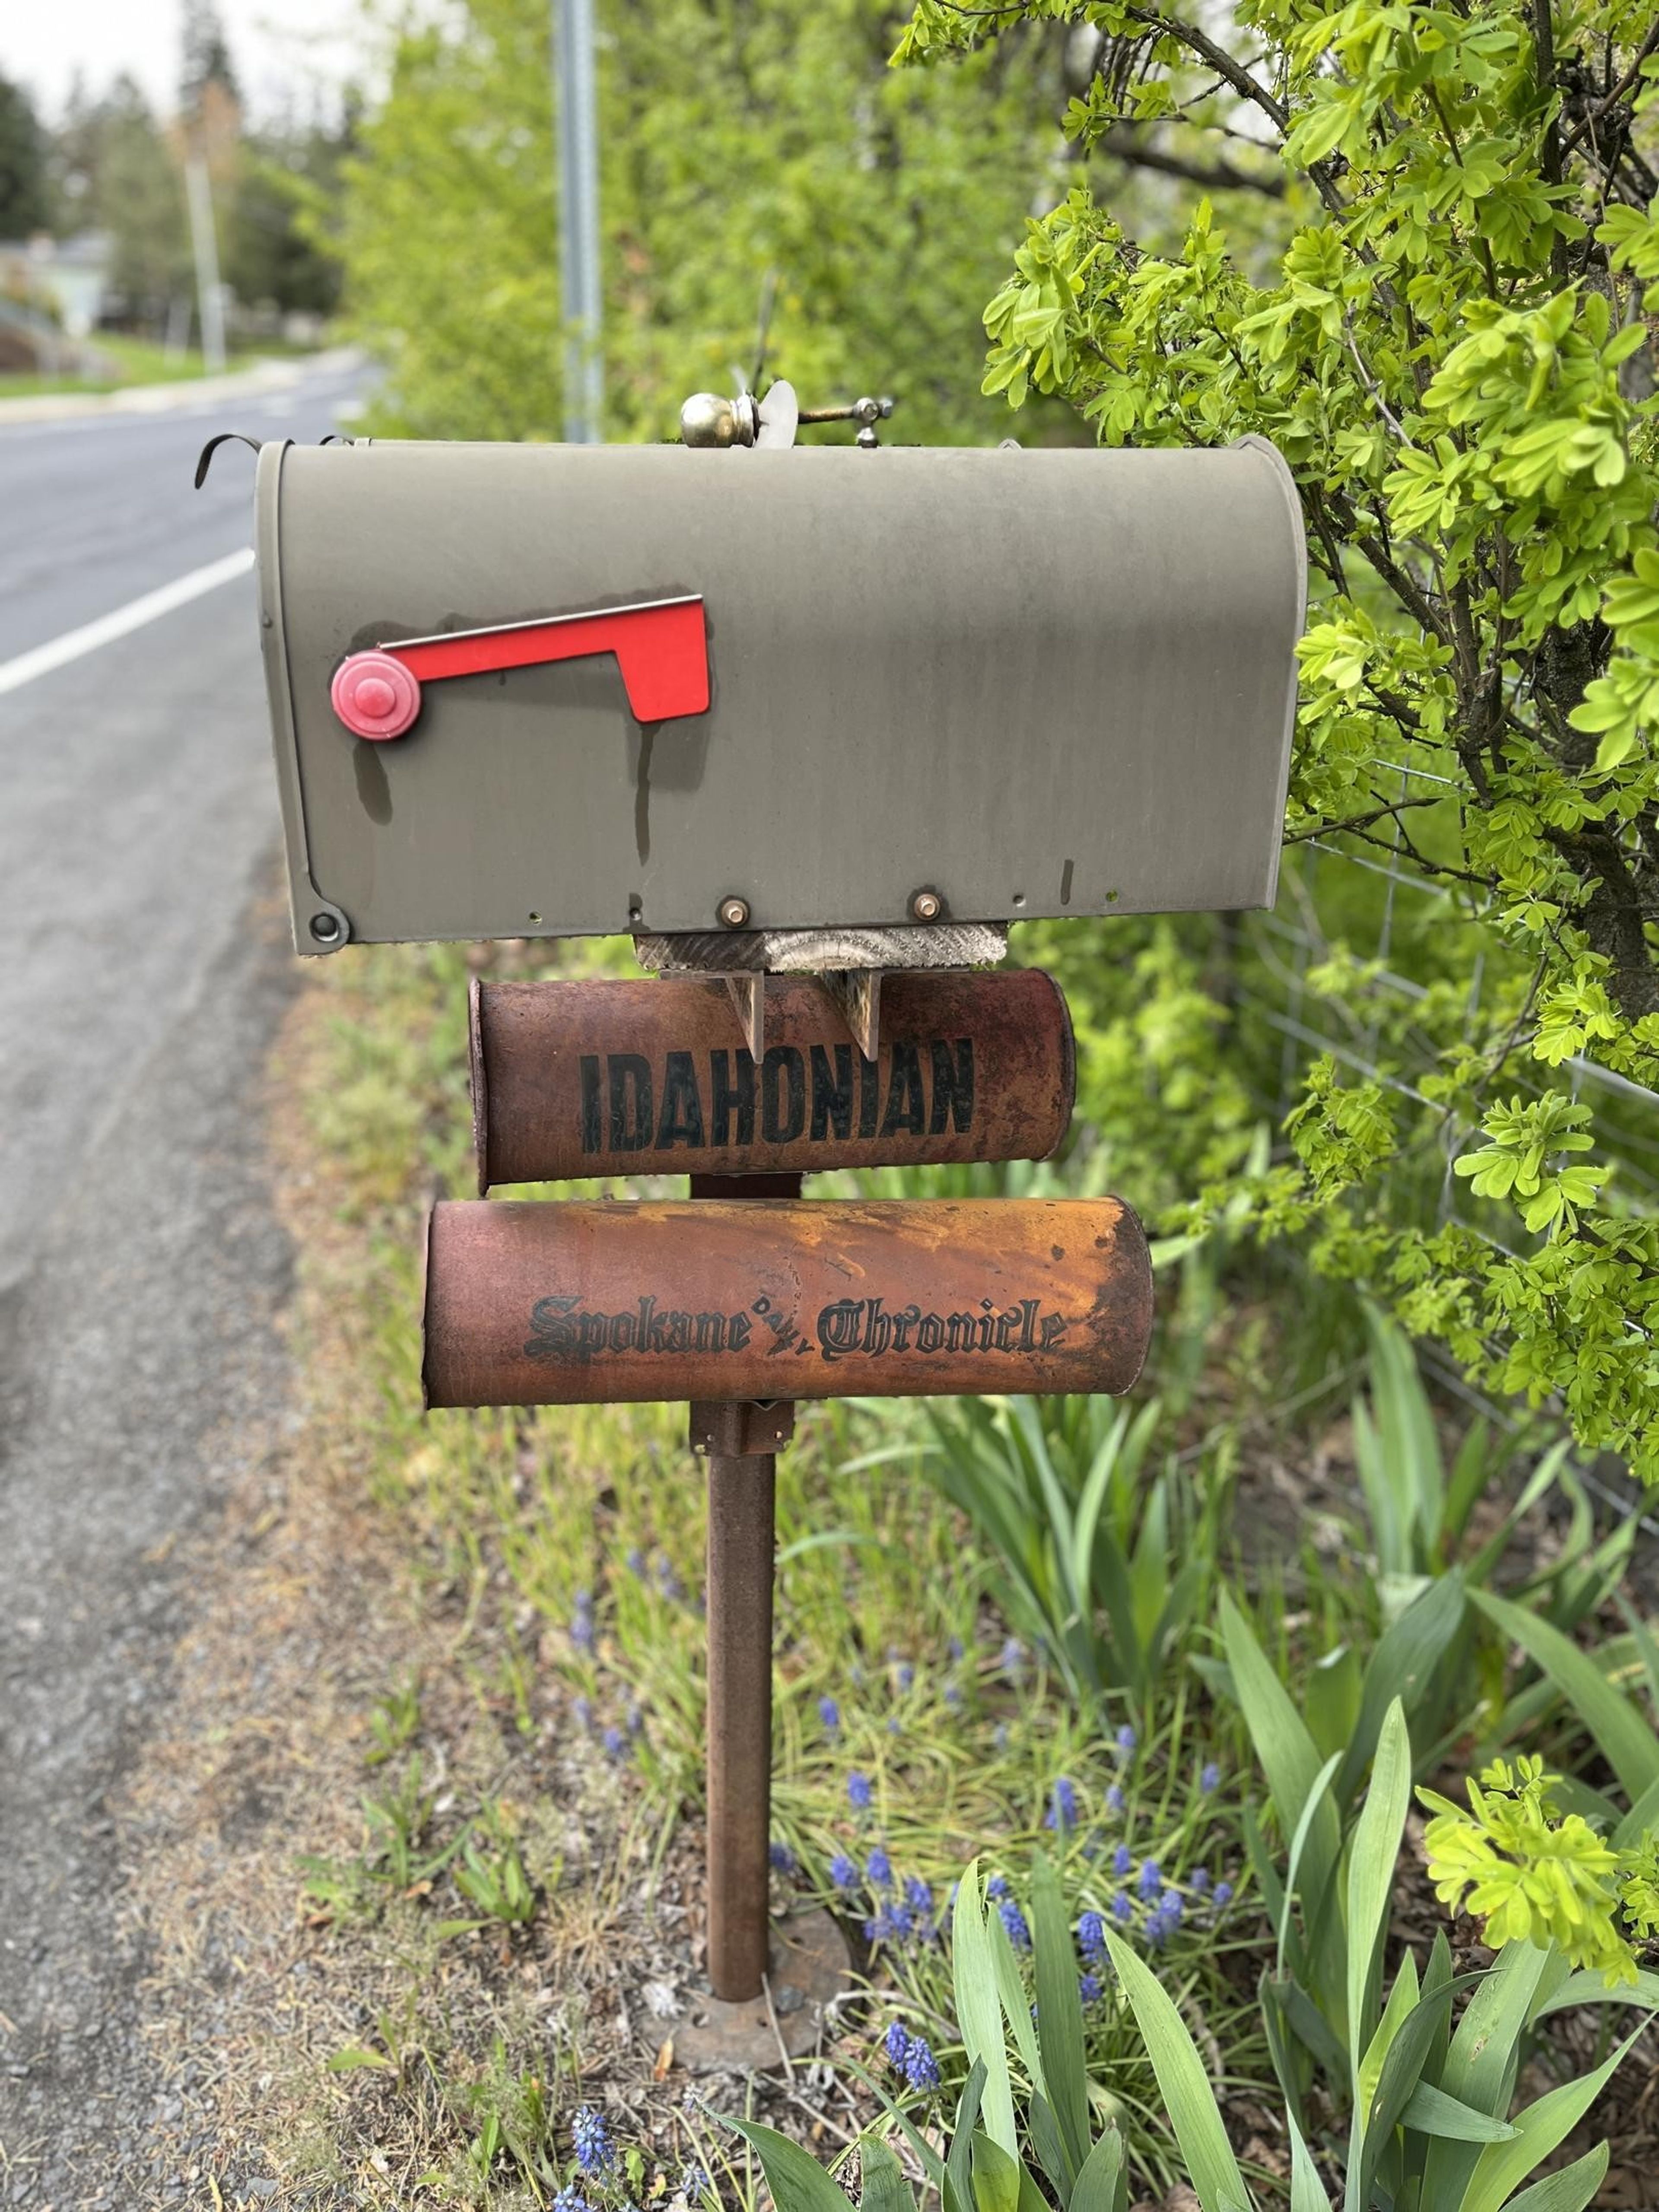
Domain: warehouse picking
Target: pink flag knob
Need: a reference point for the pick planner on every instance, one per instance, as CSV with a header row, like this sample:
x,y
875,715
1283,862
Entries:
x,y
375,694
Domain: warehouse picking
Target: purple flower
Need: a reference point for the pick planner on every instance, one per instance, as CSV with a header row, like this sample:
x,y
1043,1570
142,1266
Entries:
x,y
1123,1910
829,1714
1150,1882
581,1711
636,1560
1089,1987
1127,1739
668,1582
896,2043
583,1634
921,2067
917,1894
895,1726
781,1858
1209,1777
1062,1812
997,1886
954,1650
1224,1895
694,2180
1114,1799
953,1697
1012,1658
1199,1881
635,1721
1157,1928
900,1919
999,1737
858,1792
615,1742
1123,1859
879,1869
1171,1905
842,1872
907,1676
571,2200
1091,1935
591,2137
1014,1921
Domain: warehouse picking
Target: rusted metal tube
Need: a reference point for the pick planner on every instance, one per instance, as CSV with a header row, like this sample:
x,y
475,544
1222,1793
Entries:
x,y
600,1077
740,1720
590,1302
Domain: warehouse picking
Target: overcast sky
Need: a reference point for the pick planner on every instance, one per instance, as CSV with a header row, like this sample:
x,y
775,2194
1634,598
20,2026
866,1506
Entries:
x,y
284,50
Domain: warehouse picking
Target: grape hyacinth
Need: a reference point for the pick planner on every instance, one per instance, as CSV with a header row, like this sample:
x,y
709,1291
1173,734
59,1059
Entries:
x,y
917,1894
1063,1811
571,2200
1127,1739
842,1872
1011,1660
1114,1799
859,1793
781,1858
591,2137
615,1742
694,2180
1199,1881
1091,1935
1123,1910
1090,1988
829,1714
896,2043
1123,1859
1014,1921
1224,1895
879,1869
1150,1881
921,2067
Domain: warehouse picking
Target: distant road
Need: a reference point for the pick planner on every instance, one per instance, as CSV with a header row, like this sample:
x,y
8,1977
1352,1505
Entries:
x,y
136,791
143,974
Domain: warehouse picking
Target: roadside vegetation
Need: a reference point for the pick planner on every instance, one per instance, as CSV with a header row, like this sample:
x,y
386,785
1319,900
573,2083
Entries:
x,y
1247,1795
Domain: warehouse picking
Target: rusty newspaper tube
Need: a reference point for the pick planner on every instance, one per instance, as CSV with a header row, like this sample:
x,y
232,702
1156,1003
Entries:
x,y
603,1303
602,1078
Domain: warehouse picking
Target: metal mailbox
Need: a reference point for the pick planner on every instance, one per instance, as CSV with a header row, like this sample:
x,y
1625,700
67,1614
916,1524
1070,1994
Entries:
x,y
603,1078
593,1301
563,690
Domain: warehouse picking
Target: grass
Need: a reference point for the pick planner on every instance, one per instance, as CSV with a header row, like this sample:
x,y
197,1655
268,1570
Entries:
x,y
133,361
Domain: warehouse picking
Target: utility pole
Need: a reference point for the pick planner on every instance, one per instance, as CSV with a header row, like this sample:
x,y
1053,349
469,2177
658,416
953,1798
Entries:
x,y
209,300
579,220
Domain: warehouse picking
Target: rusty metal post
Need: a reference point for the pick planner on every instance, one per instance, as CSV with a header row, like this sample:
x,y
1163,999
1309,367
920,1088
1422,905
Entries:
x,y
742,1488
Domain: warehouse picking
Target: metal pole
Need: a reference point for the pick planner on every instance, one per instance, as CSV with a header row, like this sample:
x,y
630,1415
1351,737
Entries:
x,y
739,1755
198,194
741,1442
579,220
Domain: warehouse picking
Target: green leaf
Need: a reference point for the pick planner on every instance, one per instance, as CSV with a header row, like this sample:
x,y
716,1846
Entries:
x,y
1587,1989
979,2010
996,2178
1501,2166
1101,2183
1184,2085
1570,2191
884,2187
1626,1741
797,2181
355,2056
1372,1856
1480,2063
1307,2191
1432,2113
1059,2013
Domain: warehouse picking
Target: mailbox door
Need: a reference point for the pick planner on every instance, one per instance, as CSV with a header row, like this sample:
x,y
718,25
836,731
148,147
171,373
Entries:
x,y
1037,682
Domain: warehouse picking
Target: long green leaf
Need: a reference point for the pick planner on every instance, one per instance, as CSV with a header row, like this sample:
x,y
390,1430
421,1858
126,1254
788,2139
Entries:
x,y
1016,2005
884,2187
1590,1989
996,2178
797,2181
979,2010
1480,2061
1402,1666
1502,2167
959,2164
1373,1856
1432,2113
1628,1744
1185,2087
1059,2014
1570,2191
1306,2191
1102,2184
1299,1843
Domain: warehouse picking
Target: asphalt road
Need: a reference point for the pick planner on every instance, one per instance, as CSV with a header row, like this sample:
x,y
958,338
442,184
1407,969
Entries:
x,y
142,975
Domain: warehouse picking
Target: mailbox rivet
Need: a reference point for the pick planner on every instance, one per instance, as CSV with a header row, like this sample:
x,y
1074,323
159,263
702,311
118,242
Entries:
x,y
324,927
734,912
925,906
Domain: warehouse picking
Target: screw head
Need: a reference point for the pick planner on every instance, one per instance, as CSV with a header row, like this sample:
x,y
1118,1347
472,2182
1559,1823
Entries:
x,y
325,928
925,906
734,912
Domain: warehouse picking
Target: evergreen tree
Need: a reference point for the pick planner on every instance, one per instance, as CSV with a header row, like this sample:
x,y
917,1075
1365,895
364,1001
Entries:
x,y
23,197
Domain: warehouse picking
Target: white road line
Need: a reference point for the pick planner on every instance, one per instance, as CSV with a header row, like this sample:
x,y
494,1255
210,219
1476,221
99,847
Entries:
x,y
73,643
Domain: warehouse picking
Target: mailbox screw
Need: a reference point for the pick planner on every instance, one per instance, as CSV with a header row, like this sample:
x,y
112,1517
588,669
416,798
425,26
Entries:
x,y
925,906
734,912
324,927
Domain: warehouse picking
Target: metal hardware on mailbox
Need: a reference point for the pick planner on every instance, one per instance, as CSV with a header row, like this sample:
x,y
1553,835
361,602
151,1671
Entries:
x,y
707,420
661,648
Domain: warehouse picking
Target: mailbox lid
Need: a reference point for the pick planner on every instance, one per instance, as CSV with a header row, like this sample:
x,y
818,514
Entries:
x,y
1039,683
